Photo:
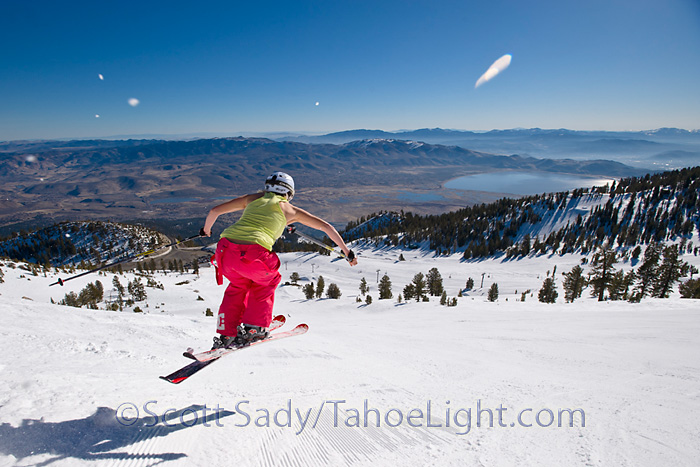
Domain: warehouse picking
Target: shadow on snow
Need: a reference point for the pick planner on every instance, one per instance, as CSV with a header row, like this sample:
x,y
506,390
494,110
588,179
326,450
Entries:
x,y
97,436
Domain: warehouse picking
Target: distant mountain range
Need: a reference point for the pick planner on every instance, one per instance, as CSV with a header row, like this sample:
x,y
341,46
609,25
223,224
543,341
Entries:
x,y
537,142
433,134
669,147
155,179
658,149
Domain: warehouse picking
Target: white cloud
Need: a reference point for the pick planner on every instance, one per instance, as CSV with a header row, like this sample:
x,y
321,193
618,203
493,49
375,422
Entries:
x,y
497,67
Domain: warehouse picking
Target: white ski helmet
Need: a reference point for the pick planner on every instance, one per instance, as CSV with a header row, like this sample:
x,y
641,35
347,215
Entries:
x,y
280,182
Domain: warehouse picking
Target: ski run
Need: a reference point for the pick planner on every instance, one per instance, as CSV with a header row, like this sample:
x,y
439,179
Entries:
x,y
499,383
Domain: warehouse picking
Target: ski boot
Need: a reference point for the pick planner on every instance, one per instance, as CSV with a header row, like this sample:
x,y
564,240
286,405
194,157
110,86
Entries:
x,y
222,341
247,334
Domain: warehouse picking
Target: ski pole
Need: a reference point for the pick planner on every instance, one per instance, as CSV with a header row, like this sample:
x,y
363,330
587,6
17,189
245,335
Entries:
x,y
293,229
146,253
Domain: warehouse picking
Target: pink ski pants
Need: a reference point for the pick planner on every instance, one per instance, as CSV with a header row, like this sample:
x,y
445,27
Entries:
x,y
253,274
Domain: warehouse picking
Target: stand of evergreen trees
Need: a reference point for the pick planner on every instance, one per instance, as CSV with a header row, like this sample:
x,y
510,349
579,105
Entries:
x,y
658,274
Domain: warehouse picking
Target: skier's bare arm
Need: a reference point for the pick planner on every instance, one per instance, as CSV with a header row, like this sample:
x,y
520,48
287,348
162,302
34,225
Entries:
x,y
234,205
295,214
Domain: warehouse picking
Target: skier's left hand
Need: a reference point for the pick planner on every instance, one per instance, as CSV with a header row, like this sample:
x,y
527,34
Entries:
x,y
351,258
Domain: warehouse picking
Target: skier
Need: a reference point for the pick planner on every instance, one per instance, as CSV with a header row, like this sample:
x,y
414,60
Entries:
x,y
244,256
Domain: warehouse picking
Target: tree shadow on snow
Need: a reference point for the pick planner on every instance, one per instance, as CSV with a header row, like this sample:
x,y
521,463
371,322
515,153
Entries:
x,y
93,438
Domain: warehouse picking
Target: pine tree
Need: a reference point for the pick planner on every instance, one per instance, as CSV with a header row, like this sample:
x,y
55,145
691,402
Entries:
x,y
137,290
120,292
118,286
627,283
646,272
333,291
409,292
671,270
294,278
434,281
364,288
690,288
616,287
418,286
525,245
470,284
99,291
636,252
602,272
385,288
493,293
320,286
70,299
309,291
443,299
574,282
548,293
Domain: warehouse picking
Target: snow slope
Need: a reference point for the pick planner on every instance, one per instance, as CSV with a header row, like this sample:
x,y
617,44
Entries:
x,y
75,380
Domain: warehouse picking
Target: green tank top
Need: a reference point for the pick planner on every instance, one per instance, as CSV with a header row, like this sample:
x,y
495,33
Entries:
x,y
262,222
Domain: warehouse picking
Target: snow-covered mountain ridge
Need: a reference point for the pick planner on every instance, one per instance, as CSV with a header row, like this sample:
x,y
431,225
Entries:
x,y
72,243
634,211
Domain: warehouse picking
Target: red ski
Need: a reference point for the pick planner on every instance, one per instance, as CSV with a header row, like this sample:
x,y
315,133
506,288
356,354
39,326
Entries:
x,y
185,372
277,322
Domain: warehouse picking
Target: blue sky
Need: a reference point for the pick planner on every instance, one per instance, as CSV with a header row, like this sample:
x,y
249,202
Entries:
x,y
241,67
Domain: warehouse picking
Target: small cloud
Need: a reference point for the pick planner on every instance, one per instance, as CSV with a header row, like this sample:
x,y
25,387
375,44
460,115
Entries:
x,y
102,78
497,67
133,101
97,115
317,103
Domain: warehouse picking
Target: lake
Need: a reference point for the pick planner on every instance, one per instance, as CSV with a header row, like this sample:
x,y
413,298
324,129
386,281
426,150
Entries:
x,y
525,183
